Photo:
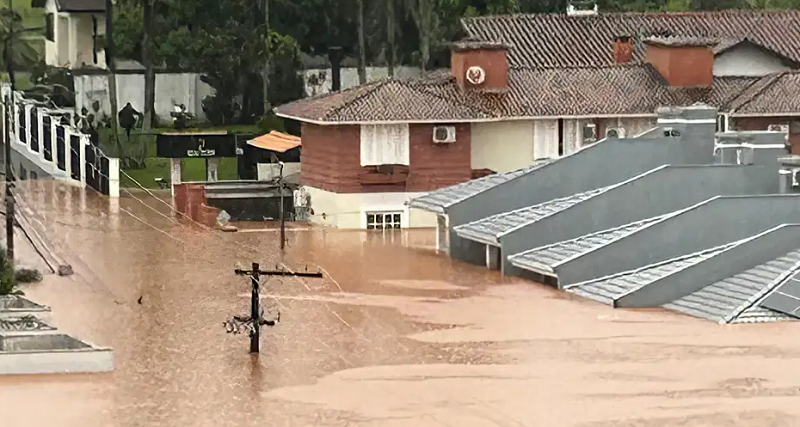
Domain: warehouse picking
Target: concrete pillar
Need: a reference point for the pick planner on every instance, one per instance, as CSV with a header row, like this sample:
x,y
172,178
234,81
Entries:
x,y
83,142
174,178
40,131
493,257
442,234
113,177
213,166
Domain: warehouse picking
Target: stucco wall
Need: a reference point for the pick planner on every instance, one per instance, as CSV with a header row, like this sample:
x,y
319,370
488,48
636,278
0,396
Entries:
x,y
747,60
171,88
503,146
349,210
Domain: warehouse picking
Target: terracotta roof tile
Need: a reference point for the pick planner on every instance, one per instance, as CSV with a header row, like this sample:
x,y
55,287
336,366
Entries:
x,y
777,94
611,90
558,40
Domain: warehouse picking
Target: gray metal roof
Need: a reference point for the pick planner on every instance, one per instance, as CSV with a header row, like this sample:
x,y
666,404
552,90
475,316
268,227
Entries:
x,y
439,200
608,289
489,229
546,258
733,300
785,298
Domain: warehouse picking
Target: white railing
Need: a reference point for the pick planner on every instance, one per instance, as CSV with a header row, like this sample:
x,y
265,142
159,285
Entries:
x,y
49,140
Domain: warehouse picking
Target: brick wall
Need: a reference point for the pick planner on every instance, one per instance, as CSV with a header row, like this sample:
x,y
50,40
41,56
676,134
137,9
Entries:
x,y
331,160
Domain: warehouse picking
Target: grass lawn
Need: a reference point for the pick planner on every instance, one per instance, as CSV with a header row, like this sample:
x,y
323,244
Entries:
x,y
192,169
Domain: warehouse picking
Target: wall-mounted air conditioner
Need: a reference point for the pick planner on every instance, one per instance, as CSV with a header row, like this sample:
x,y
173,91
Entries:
x,y
778,128
589,132
615,133
444,134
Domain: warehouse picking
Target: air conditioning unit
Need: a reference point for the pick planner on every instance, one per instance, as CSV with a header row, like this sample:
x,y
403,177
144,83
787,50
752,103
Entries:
x,y
444,134
590,132
615,133
778,128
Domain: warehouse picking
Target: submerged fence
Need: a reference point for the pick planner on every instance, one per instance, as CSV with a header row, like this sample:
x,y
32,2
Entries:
x,y
47,143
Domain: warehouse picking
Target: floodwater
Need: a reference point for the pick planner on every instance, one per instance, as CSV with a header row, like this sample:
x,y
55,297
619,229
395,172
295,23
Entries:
x,y
395,336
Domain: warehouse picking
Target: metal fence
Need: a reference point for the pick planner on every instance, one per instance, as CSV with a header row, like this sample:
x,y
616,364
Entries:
x,y
35,130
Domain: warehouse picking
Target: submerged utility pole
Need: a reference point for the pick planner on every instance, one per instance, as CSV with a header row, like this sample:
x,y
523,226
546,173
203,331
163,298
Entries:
x,y
9,43
256,319
283,221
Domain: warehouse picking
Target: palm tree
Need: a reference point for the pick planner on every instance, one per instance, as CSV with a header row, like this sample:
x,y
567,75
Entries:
x,y
22,53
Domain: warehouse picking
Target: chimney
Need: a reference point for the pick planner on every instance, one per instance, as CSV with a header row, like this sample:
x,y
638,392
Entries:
x,y
623,49
480,65
682,61
335,57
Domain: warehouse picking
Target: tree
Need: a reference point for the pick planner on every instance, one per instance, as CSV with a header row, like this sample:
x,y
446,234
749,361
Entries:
x,y
362,49
148,37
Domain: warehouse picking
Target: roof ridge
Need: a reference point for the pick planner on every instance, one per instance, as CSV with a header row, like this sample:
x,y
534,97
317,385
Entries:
x,y
764,293
653,265
771,79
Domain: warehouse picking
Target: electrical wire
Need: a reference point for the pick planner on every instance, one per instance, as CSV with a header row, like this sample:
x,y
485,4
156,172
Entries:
x,y
253,249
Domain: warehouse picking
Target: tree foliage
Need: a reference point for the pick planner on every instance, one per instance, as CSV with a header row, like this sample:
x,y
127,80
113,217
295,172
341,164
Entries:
x,y
224,40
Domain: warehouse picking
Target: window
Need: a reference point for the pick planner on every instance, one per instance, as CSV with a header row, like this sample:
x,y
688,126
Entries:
x,y
384,145
383,220
50,27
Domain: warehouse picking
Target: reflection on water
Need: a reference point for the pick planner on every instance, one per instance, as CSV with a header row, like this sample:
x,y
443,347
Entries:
x,y
396,336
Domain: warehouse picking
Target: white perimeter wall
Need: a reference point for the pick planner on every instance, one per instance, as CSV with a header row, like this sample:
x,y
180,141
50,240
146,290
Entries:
x,y
171,88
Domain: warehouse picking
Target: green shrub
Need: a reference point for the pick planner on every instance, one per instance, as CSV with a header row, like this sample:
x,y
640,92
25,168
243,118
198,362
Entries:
x,y
7,282
27,275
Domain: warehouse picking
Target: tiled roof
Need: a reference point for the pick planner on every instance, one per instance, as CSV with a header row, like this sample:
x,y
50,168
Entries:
x,y
550,256
682,41
732,300
562,41
608,289
776,94
489,229
612,90
785,298
439,200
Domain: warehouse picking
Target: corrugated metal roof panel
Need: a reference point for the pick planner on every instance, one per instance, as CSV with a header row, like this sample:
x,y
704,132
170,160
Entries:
x,y
552,255
439,200
785,298
608,289
490,228
722,300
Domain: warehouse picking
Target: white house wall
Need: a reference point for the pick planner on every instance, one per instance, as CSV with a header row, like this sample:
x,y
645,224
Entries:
x,y
179,88
545,138
83,40
747,60
502,146
349,210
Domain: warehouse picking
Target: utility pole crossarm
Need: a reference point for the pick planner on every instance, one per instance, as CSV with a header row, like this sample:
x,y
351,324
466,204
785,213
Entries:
x,y
241,272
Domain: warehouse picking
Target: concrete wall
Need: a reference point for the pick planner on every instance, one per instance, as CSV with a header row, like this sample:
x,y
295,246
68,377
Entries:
x,y
660,192
755,251
719,221
171,88
270,171
604,163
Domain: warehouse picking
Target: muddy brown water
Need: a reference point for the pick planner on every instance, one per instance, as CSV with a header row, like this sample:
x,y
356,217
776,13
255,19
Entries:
x,y
396,336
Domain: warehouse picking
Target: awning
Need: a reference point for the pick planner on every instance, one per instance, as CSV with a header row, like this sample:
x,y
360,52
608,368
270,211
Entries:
x,y
275,141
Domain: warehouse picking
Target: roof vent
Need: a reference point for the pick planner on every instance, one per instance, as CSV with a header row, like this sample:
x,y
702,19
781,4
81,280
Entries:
x,y
581,8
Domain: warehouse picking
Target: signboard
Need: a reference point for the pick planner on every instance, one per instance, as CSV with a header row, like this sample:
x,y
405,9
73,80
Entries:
x,y
195,145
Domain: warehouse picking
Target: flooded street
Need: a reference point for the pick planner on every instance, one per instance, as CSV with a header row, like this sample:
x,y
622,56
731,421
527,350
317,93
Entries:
x,y
394,336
